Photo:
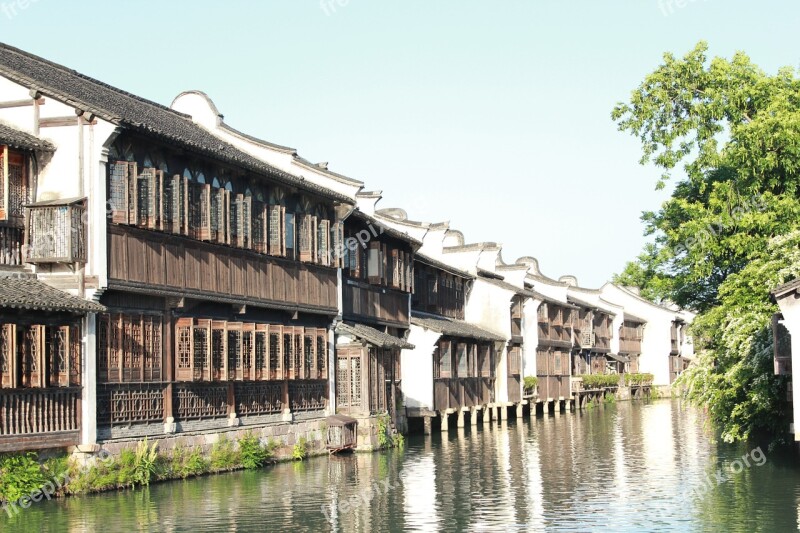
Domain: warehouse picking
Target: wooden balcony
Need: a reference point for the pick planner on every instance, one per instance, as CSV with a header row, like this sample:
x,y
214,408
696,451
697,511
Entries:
x,y
39,418
377,304
11,240
157,263
56,232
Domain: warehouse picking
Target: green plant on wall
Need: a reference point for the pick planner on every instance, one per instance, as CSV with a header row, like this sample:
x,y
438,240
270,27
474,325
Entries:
x,y
20,475
252,453
145,463
384,438
300,450
530,383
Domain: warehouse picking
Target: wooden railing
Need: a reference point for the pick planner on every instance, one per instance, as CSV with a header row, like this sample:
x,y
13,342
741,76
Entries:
x,y
123,404
379,303
149,261
308,395
254,398
38,411
196,401
10,246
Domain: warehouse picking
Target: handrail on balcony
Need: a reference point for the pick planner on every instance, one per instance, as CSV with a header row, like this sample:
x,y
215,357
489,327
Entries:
x,y
56,231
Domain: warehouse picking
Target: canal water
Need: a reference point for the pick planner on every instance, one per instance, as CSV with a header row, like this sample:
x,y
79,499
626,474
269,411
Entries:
x,y
626,467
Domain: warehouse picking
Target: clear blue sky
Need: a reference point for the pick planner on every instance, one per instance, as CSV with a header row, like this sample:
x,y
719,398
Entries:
x,y
494,115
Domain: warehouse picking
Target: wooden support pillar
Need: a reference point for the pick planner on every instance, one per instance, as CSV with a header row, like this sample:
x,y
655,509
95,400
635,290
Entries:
x,y
473,417
460,419
519,411
427,425
532,412
487,415
287,408
546,407
168,362
568,405
443,418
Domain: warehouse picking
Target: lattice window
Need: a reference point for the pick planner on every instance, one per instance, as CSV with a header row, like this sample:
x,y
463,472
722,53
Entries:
x,y
261,355
275,356
288,351
355,380
202,344
304,229
322,355
235,352
343,382
8,351
297,354
323,242
260,228
277,230
219,352
309,359
183,349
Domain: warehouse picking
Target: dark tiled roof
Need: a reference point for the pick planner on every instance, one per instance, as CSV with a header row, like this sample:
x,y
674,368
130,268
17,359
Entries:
x,y
452,327
391,232
482,272
136,113
518,290
787,288
633,318
19,139
595,307
373,336
33,295
422,258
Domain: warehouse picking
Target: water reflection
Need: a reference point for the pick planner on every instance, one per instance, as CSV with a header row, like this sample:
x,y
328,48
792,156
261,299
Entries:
x,y
628,467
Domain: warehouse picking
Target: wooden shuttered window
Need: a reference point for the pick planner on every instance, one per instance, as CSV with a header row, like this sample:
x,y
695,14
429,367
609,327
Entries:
x,y
14,188
322,354
64,356
323,242
8,356
396,268
234,351
220,216
219,350
241,222
130,348
184,349
305,237
374,263
337,238
445,363
124,192
260,228
200,211
261,353
276,360
150,191
175,206
277,230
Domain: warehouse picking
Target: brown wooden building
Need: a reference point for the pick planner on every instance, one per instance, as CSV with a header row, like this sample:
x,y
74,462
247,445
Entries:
x,y
464,356
377,282
557,323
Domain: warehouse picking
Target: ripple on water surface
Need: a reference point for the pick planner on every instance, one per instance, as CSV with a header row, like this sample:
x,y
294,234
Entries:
x,y
628,467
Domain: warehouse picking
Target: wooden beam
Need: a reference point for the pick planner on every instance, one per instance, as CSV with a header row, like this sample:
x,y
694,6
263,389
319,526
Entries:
x,y
57,122
20,103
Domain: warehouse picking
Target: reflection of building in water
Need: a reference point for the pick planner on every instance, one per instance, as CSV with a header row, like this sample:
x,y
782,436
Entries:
x,y
419,486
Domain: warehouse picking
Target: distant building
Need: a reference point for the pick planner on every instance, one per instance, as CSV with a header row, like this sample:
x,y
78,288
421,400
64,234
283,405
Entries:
x,y
786,328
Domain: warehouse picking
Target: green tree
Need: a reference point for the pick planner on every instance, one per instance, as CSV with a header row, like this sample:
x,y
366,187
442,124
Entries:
x,y
727,234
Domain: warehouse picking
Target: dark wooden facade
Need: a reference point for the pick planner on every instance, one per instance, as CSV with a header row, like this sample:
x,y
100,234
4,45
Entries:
x,y
555,325
630,343
463,373
222,288
377,279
